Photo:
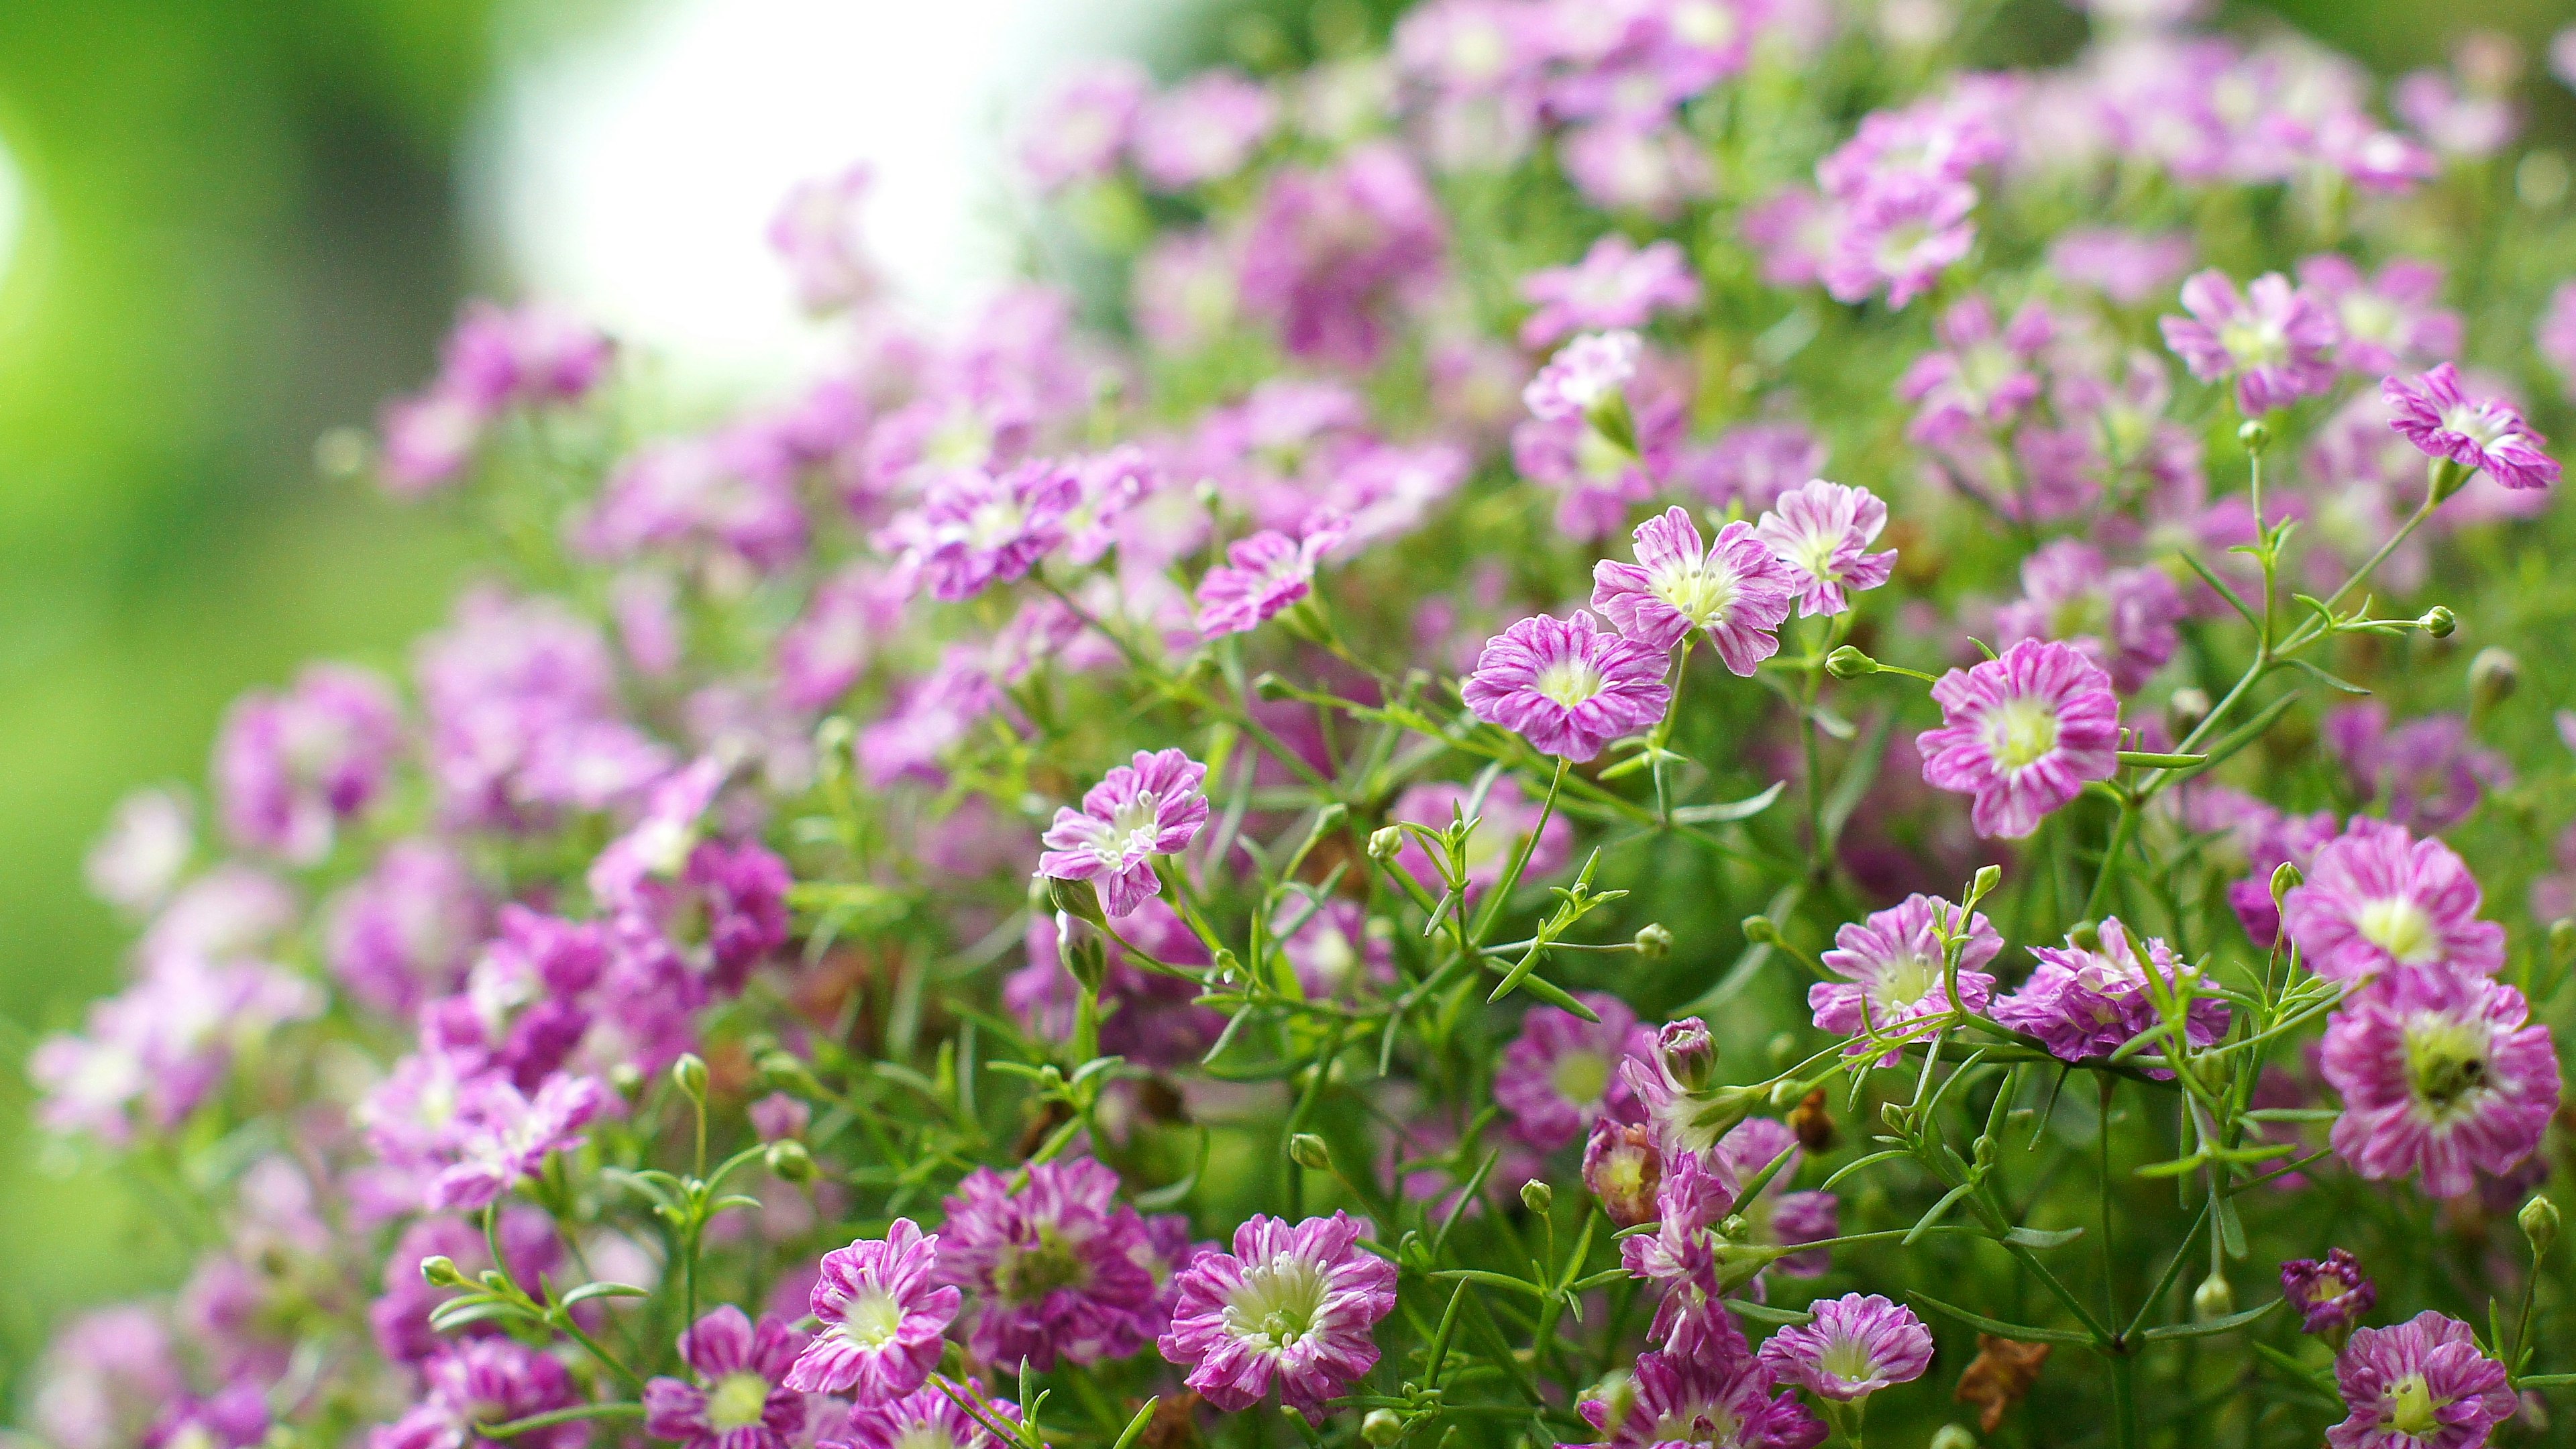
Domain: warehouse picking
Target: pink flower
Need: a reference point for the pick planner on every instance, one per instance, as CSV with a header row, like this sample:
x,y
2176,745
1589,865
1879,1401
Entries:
x,y
1561,1074
2276,340
1149,807
1754,464
2126,266
2420,1385
1617,284
1056,1264
1290,1306
2376,897
2389,320
1586,375
977,529
1984,377
1506,817
1565,686
1082,131
929,1418
1855,1346
883,1313
1332,255
2022,734
2332,1295
2442,1073
816,232
2428,774
739,1399
289,768
1894,969
1204,129
1262,575
1901,234
2085,1003
1821,531
1714,1396
1737,590
2485,435
502,1136
2123,619
485,1381
1624,1167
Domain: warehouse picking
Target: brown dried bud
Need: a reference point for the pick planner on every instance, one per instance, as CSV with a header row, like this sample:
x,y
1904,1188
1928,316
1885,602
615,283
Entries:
x,y
1813,1123
2000,1378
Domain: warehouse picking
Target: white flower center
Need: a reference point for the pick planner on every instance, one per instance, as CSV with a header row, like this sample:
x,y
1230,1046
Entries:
x,y
1696,591
2400,927
1277,1305
2021,731
1848,1359
1131,830
1906,980
737,1401
2255,343
2479,422
871,1319
1569,682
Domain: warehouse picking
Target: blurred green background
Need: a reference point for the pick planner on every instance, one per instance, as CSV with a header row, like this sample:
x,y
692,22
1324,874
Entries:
x,y
243,222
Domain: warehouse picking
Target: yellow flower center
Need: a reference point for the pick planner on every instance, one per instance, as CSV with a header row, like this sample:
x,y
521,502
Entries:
x,y
2021,731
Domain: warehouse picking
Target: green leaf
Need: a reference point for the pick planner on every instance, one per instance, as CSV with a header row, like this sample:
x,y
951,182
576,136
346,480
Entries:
x,y
1996,1326
1491,1280
1728,811
1136,1425
589,1291
2228,1324
1765,1313
2150,760
2043,1237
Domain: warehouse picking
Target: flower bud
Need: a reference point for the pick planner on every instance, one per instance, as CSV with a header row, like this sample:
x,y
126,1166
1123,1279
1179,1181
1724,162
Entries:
x,y
2493,676
2285,879
1308,1151
1079,947
1849,663
2439,622
784,1071
1624,1170
626,1079
2214,1298
1382,1428
1654,941
1688,1053
1953,1436
341,454
2255,437
1813,1122
2539,1219
689,1074
789,1160
1075,898
1617,1396
1761,931
1984,882
439,1271
1537,1196
2185,708
1385,843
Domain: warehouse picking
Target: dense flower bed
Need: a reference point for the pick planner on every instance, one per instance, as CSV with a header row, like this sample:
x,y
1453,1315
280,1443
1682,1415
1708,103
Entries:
x,y
1172,870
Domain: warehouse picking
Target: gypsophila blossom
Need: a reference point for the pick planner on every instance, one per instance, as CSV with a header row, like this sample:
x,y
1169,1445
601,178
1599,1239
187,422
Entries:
x,y
2376,897
1052,1262
1567,687
2022,734
1587,374
1618,284
883,1311
1855,1346
2331,1295
1736,591
290,768
2274,339
2442,1073
978,528
2085,1001
1719,1398
930,1417
1561,1074
2123,619
1895,969
1262,575
1292,1306
1821,531
502,1135
139,856
2422,1384
1152,806
1624,1168
2482,435
1506,817
740,1399
485,1381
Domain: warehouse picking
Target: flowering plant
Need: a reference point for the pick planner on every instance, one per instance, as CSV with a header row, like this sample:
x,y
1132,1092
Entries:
x,y
1177,871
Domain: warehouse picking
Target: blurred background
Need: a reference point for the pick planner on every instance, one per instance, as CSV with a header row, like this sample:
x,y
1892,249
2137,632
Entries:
x,y
228,226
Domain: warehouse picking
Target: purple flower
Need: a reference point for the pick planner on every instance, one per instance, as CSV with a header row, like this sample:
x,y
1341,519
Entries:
x,y
2428,772
1153,806
2376,897
290,767
407,929
1626,164
233,1417
1565,686
927,1418
1624,1168
1854,1347
2485,435
1984,377
740,1400
2022,734
2442,1072
485,1381
523,716
823,653
429,439
1329,945
816,233
1262,575
2123,619
730,495
1587,375
2084,1003
1617,284
502,1136
1894,970
1291,1305
2276,340
1820,530
535,353
141,854
2331,1296
1901,234
1682,1255
883,1311
1561,1074
2555,336
1738,591
1202,130
1505,818
2390,320
2126,266
1754,464
2420,1385
1056,1266
1720,1397
1083,129
977,529
1331,253
106,1375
